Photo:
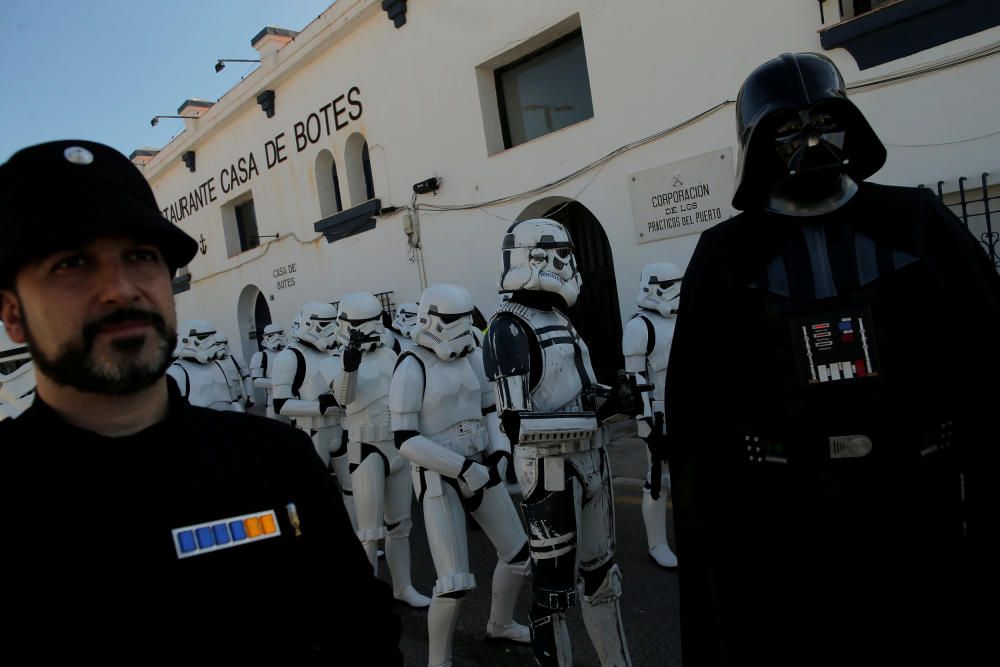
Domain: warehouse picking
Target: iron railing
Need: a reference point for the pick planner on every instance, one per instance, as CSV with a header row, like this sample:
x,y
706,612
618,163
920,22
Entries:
x,y
975,212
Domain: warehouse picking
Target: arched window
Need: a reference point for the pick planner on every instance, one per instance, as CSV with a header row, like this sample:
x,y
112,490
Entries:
x,y
366,165
328,185
360,181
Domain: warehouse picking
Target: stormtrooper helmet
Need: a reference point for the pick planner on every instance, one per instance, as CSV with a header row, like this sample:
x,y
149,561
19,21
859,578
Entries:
x,y
660,288
196,341
538,255
361,314
273,338
444,323
221,346
800,137
316,325
406,318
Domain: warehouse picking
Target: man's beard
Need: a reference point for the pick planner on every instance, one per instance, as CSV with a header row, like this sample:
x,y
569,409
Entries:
x,y
75,364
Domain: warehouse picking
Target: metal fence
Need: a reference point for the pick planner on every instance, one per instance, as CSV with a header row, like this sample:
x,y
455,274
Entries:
x,y
972,204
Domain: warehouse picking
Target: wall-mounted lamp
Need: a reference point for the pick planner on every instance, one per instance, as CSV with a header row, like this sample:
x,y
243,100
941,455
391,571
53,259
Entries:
x,y
202,244
188,158
429,185
220,64
266,102
154,121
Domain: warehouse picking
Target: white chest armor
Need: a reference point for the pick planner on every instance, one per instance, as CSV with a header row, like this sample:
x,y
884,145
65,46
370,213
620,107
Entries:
x,y
207,383
560,384
17,391
313,383
452,393
233,377
656,360
367,416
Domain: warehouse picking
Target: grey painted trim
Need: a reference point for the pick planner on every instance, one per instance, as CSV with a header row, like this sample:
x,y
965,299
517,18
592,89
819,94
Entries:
x,y
353,221
181,283
906,28
268,30
199,104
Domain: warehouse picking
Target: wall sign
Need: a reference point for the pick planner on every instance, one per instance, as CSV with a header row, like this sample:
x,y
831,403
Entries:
x,y
283,276
328,119
685,197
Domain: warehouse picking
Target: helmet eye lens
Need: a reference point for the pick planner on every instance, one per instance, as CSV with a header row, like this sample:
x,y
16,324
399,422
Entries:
x,y
787,128
564,253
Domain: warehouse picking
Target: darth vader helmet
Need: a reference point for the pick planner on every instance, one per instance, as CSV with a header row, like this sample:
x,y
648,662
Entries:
x,y
802,142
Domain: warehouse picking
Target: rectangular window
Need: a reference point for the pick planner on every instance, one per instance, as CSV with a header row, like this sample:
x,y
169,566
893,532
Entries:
x,y
852,8
545,91
246,225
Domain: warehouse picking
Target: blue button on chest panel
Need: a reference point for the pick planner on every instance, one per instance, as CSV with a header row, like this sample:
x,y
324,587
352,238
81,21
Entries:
x,y
225,533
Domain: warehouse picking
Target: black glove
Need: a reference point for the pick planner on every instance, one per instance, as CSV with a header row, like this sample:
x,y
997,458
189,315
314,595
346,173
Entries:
x,y
510,424
327,401
625,398
659,452
352,357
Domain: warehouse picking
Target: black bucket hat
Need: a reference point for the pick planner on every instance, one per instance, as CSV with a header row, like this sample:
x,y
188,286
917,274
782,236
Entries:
x,y
61,194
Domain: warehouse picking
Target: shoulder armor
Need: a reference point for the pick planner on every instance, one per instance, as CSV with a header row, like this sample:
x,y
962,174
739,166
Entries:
x,y
639,336
507,348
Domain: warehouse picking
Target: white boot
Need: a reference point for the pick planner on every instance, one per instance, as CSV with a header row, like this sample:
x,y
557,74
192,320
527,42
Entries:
x,y
507,583
442,617
397,555
603,619
654,515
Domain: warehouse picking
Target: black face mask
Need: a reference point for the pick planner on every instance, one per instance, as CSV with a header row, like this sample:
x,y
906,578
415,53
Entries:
x,y
810,145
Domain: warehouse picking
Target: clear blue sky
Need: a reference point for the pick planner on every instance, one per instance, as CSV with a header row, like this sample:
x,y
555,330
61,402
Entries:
x,y
100,69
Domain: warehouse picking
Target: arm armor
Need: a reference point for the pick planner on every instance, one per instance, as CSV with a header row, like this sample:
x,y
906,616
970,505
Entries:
x,y
293,407
428,454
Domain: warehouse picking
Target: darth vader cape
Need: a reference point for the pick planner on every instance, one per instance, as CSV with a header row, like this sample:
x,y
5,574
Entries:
x,y
833,437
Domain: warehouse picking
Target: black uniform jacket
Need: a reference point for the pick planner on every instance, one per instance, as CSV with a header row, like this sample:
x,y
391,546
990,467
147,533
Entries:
x,y
271,570
790,551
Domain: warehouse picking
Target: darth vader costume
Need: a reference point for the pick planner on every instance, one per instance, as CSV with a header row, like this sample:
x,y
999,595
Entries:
x,y
828,400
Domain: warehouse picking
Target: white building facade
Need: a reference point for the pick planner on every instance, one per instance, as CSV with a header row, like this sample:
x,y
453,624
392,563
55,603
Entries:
x,y
615,117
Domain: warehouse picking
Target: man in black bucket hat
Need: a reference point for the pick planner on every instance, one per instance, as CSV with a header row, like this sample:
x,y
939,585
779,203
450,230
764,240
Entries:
x,y
138,524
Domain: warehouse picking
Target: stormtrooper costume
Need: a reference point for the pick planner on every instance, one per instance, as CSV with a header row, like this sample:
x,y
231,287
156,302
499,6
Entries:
x,y
383,494
404,322
646,346
444,420
199,377
547,396
17,377
827,395
237,373
301,393
262,364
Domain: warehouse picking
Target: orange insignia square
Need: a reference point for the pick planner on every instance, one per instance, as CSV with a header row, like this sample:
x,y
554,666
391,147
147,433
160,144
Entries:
x,y
253,527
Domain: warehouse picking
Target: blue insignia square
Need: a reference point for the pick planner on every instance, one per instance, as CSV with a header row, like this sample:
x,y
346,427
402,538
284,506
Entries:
x,y
221,534
239,533
185,540
205,538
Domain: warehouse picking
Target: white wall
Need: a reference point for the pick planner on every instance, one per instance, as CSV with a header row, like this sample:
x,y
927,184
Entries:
x,y
651,66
